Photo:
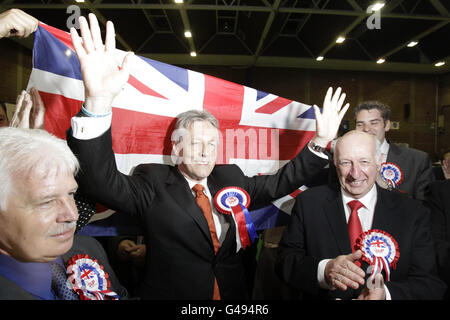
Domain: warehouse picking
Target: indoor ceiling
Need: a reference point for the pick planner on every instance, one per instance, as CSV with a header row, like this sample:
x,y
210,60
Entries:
x,y
276,33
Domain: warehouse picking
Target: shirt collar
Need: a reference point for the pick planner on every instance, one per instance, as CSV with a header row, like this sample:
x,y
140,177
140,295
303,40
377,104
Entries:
x,y
384,148
368,200
34,277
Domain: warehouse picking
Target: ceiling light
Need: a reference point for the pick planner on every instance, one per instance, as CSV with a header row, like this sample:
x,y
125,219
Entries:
x,y
79,1
340,39
381,60
187,34
439,64
319,58
178,1
412,44
377,6
193,54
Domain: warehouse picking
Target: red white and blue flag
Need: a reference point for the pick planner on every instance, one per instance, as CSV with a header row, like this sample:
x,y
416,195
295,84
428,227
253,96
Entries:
x,y
260,131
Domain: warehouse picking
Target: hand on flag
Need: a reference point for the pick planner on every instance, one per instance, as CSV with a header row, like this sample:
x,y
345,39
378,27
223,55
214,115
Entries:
x,y
102,78
15,22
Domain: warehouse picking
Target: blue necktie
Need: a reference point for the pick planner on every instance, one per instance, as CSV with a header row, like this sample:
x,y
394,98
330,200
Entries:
x,y
59,283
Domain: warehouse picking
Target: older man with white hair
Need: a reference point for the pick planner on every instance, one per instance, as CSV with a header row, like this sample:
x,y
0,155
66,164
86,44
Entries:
x,y
39,256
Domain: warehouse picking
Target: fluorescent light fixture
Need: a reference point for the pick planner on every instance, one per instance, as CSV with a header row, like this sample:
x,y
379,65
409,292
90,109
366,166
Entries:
x,y
178,1
187,34
79,1
439,64
377,6
193,54
381,60
340,39
412,44
319,58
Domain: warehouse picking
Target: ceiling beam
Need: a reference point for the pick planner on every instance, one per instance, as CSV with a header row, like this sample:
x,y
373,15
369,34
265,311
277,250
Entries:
x,y
188,7
266,29
418,37
294,62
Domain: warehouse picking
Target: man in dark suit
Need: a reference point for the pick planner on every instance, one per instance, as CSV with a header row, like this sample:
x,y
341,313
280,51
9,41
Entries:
x,y
315,253
38,220
190,255
438,200
374,117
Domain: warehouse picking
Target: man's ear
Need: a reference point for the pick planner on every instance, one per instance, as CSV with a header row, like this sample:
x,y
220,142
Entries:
x,y
387,125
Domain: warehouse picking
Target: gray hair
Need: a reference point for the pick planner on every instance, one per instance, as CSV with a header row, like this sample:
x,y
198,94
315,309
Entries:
x,y
187,118
31,151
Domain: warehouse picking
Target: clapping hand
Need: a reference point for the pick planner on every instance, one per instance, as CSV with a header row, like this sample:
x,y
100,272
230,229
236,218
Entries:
x,y
30,111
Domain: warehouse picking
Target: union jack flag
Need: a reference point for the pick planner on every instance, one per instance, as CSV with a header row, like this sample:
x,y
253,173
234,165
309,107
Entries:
x,y
144,113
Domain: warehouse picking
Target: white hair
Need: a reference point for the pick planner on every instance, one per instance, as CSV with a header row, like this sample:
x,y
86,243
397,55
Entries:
x,y
31,151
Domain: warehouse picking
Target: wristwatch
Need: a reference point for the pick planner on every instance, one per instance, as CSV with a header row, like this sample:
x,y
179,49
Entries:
x,y
316,147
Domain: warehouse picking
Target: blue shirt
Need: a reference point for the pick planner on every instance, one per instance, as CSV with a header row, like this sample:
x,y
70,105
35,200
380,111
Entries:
x,y
34,277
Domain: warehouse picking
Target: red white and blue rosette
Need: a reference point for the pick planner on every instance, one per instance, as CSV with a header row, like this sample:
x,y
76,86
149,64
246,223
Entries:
x,y
88,279
391,173
235,200
380,250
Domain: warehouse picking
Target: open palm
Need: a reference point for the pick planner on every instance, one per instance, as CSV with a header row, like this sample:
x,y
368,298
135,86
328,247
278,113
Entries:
x,y
102,77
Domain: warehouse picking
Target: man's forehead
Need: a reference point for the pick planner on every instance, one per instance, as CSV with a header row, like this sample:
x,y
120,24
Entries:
x,y
372,114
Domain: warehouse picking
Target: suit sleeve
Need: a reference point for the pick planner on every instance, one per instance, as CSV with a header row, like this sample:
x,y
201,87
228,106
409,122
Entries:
x,y
100,180
293,265
297,172
436,204
422,282
425,177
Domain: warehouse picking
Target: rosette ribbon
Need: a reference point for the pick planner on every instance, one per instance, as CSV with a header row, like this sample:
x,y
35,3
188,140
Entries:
x,y
391,173
88,279
380,250
235,200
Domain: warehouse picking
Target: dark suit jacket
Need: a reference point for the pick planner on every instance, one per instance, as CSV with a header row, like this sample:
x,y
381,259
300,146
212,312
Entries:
x,y
82,245
180,262
438,201
318,230
416,167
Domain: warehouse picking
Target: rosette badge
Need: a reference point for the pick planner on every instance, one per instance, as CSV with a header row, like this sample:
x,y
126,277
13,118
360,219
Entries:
x,y
235,200
380,250
391,173
89,279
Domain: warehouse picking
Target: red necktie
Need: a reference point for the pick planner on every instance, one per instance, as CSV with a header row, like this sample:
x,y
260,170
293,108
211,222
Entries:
x,y
354,224
204,204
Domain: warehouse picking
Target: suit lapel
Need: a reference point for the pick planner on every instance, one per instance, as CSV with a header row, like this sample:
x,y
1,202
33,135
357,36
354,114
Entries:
x,y
382,218
335,214
179,188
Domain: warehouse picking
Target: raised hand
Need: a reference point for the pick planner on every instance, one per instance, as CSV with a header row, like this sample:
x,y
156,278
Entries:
x,y
102,77
17,23
327,122
30,111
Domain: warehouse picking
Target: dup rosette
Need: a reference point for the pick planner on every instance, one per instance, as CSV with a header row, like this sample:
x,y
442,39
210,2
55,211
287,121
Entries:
x,y
391,173
380,250
88,279
235,201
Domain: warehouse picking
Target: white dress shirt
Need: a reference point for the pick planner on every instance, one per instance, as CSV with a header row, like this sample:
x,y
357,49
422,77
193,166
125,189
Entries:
x,y
365,214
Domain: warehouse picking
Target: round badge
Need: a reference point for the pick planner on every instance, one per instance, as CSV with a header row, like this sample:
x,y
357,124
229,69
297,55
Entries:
x,y
391,173
379,249
230,197
89,279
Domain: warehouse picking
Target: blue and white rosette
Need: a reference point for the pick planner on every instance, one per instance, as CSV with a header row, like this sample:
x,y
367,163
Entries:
x,y
380,250
235,200
88,279
391,173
